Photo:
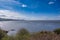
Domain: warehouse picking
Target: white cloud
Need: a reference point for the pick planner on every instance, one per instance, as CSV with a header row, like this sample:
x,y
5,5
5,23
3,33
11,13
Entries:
x,y
11,14
8,4
51,2
11,4
17,15
23,5
10,1
43,17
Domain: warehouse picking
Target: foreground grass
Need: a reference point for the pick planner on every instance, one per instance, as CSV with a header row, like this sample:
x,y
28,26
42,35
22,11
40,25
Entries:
x,y
45,36
24,34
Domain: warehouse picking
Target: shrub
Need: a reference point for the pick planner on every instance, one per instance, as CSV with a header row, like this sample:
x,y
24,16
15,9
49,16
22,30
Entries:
x,y
2,33
23,34
57,31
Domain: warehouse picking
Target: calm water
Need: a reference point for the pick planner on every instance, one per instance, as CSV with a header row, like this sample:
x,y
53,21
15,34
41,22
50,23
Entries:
x,y
31,26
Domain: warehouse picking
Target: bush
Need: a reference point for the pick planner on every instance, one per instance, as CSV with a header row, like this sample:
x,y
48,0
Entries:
x,y
57,31
2,34
23,34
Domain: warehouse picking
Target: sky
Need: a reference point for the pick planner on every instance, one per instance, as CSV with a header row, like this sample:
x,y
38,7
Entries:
x,y
30,9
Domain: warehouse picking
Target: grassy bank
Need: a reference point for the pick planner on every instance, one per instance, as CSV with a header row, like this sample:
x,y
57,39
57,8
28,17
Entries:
x,y
24,34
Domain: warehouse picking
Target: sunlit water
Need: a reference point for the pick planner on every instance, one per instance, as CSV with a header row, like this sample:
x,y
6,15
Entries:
x,y
30,26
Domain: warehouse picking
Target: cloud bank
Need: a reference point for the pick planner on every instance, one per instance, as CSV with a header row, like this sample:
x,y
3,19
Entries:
x,y
17,15
10,14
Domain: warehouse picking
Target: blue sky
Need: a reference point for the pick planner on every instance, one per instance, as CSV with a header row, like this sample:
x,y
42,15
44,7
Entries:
x,y
30,9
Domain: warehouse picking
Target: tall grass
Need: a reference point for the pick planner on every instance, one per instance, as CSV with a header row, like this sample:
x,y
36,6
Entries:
x,y
24,34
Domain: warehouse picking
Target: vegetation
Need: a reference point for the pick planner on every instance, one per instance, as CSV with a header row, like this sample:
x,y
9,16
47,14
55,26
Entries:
x,y
23,34
57,31
2,34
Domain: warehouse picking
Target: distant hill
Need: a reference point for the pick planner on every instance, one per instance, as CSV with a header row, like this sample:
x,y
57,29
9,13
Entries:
x,y
3,19
47,21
